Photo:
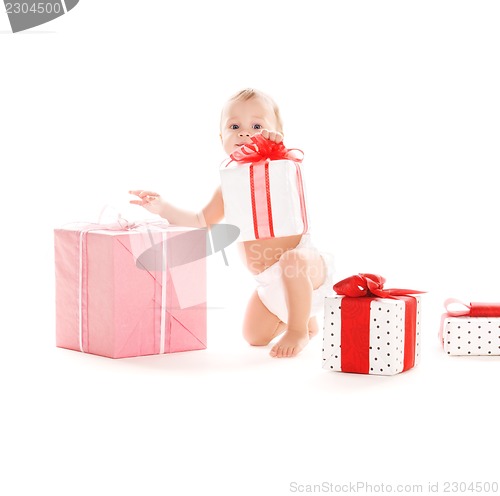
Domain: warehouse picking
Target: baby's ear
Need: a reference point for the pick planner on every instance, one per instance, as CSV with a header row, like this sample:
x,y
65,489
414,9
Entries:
x,y
220,136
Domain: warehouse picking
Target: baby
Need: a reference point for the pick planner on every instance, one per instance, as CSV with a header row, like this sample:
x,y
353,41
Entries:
x,y
292,276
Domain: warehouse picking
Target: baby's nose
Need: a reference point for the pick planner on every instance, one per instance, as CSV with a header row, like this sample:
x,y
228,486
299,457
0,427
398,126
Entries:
x,y
243,133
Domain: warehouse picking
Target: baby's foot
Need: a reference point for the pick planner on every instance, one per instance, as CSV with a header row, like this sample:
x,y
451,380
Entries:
x,y
312,327
312,332
290,345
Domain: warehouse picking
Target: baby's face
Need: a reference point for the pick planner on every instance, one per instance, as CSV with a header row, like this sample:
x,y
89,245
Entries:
x,y
242,119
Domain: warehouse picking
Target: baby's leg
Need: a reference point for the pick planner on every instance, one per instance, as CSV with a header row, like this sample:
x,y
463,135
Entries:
x,y
303,270
260,326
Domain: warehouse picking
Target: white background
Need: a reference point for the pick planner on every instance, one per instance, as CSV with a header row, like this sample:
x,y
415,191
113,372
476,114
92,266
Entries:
x,y
396,106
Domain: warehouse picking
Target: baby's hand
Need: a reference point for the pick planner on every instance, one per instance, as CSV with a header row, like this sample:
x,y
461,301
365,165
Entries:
x,y
275,136
150,200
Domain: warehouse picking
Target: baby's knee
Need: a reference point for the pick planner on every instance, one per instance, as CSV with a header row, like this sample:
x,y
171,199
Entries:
x,y
255,338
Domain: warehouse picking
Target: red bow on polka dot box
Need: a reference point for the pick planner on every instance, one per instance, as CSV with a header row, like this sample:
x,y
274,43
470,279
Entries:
x,y
369,329
472,329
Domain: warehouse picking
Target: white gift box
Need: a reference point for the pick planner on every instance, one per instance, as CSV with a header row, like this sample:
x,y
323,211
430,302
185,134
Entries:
x,y
384,349
470,329
264,200
471,336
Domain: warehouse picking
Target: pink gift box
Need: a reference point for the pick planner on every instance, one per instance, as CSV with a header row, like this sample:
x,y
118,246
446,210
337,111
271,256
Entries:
x,y
120,292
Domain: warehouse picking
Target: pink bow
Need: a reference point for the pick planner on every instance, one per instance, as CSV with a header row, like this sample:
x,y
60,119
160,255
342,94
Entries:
x,y
472,309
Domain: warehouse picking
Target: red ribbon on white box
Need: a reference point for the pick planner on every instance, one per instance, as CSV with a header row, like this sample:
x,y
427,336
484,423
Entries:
x,y
473,309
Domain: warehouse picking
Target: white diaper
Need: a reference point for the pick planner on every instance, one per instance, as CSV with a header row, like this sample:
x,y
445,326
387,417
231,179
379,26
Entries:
x,y
271,290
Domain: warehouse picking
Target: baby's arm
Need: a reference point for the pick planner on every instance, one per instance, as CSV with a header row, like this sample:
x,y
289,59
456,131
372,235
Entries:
x,y
212,213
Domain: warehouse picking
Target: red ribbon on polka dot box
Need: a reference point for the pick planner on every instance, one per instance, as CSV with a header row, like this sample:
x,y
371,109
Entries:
x,y
472,329
369,329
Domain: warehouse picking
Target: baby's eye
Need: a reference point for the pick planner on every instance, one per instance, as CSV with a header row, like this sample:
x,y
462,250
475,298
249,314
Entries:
x,y
234,126
257,126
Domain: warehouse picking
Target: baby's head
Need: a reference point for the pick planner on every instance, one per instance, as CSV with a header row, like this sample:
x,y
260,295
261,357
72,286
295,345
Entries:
x,y
246,113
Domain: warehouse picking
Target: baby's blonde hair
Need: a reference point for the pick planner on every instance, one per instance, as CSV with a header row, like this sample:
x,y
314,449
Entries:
x,y
249,93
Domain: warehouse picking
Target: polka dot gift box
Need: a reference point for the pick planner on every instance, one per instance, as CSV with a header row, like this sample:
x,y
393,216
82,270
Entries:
x,y
474,330
369,329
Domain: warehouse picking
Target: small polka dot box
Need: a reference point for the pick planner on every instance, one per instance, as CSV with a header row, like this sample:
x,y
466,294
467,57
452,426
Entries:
x,y
369,329
474,331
